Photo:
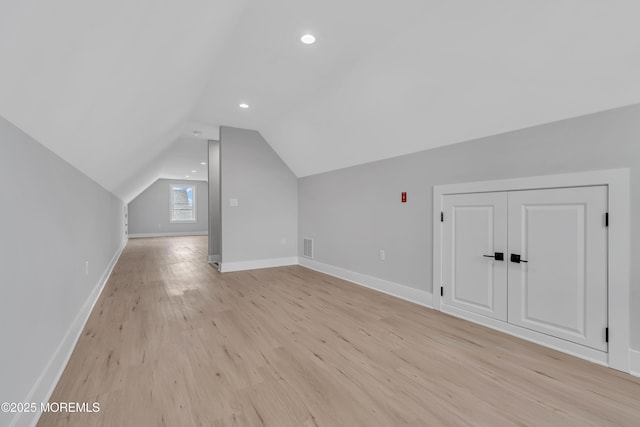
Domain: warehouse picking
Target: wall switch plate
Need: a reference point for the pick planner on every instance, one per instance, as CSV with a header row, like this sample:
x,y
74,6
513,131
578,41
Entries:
x,y
283,240
233,203
86,268
382,255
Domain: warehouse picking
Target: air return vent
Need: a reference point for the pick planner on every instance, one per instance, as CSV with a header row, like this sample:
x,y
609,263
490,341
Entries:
x,y
307,247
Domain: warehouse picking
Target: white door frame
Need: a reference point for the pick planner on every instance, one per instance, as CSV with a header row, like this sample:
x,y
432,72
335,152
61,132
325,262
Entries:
x,y
617,181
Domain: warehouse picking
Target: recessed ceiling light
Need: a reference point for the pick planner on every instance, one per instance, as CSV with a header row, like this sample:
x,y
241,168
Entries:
x,y
203,163
243,105
197,133
308,39
194,171
187,176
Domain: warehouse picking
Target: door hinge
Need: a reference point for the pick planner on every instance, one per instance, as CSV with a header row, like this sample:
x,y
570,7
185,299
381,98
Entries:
x,y
606,219
441,216
606,334
441,291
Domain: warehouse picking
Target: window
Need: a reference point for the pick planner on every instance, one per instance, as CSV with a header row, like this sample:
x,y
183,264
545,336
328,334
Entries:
x,y
183,203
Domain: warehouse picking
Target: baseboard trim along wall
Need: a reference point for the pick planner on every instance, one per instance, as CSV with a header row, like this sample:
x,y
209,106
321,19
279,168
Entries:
x,y
173,234
397,290
634,363
563,346
227,267
48,379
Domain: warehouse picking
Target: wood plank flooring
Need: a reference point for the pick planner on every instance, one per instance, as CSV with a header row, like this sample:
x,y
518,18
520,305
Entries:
x,y
172,342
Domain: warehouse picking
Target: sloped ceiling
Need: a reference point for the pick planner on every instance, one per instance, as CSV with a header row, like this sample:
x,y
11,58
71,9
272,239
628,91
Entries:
x,y
111,85
181,161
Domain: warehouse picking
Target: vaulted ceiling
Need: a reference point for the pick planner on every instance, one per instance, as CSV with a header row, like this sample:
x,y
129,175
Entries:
x,y
116,87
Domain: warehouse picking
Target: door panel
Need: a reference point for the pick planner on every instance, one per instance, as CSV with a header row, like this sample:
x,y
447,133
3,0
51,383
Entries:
x,y
562,288
474,226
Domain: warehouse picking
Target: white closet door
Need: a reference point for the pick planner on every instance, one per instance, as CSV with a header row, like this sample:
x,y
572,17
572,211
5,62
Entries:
x,y
562,288
475,228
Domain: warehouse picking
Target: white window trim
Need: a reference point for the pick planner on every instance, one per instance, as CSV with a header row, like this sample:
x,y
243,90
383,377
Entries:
x,y
195,210
617,180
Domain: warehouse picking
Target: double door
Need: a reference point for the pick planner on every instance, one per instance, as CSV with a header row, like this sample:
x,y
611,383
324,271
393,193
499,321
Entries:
x,y
536,259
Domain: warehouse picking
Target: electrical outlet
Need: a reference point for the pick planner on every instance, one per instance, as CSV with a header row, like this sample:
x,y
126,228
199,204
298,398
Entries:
x,y
233,203
382,255
159,226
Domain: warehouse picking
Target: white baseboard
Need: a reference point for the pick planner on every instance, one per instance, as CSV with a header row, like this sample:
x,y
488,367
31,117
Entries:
x,y
226,267
172,234
397,290
577,350
48,379
634,362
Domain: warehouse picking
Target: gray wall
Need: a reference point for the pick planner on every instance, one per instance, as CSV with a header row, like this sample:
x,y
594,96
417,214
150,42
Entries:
x,y
354,212
149,212
53,218
215,214
266,190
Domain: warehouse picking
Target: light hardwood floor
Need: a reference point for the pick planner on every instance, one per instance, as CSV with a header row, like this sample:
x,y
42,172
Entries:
x,y
172,342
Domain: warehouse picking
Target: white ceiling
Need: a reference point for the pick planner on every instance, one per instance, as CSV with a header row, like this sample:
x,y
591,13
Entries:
x,y
177,161
109,84
112,85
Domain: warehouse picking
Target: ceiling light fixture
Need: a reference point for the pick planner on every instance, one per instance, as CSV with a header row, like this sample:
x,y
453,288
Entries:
x,y
308,39
187,176
197,133
243,105
194,171
203,163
